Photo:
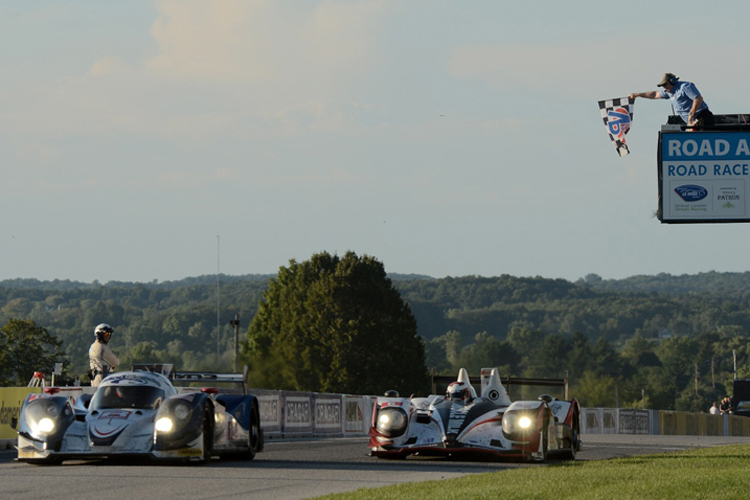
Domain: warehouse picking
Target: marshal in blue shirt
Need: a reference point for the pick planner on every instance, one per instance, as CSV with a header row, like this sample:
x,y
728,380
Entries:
x,y
682,96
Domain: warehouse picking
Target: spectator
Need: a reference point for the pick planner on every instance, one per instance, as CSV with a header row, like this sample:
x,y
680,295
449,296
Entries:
x,y
714,409
726,406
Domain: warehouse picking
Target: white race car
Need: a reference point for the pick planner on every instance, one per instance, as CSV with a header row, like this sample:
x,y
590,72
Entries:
x,y
462,424
138,414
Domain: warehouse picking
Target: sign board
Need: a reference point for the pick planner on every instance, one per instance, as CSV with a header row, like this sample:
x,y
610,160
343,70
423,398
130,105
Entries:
x,y
704,176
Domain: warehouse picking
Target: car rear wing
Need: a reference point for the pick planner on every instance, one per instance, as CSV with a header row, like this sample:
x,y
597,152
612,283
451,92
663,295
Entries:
x,y
236,381
208,379
507,381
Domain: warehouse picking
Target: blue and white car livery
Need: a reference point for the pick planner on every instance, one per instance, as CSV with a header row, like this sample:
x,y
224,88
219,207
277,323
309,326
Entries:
x,y
138,414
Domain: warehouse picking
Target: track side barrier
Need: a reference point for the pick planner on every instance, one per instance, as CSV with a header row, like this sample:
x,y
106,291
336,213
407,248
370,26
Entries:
x,y
656,422
290,414
11,399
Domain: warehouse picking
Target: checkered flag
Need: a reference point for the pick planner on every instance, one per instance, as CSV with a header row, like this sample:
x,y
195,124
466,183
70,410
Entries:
x,y
617,115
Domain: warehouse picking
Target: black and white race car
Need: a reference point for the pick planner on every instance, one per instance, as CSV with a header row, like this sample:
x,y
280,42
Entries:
x,y
462,424
138,414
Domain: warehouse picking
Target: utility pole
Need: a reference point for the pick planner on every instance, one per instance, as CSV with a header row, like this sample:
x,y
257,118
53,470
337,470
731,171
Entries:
x,y
696,379
218,297
617,398
713,377
236,324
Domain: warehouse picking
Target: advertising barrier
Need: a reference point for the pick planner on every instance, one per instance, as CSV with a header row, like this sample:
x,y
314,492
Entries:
x,y
297,413
328,418
358,412
11,399
271,411
289,414
632,421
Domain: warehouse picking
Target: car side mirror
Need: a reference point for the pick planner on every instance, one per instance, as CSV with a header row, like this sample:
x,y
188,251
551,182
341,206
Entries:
x,y
14,422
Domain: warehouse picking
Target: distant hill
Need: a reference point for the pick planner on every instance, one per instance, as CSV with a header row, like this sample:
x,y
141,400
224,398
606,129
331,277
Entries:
x,y
207,279
712,282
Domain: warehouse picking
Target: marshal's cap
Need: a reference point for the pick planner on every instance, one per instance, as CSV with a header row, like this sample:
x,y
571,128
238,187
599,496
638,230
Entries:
x,y
667,78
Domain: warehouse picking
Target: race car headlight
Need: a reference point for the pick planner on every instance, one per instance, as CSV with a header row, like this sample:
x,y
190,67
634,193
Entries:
x,y
392,422
164,424
181,411
46,425
517,424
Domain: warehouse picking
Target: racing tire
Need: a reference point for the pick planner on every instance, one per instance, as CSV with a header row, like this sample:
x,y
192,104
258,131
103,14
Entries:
x,y
208,433
573,442
255,434
570,453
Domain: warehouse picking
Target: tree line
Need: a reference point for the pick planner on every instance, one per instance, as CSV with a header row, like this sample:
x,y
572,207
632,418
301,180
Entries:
x,y
669,342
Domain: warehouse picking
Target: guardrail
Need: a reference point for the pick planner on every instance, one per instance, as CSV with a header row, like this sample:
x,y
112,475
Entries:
x,y
631,421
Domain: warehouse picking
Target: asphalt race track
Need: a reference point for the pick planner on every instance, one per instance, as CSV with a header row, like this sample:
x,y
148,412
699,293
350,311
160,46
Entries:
x,y
286,470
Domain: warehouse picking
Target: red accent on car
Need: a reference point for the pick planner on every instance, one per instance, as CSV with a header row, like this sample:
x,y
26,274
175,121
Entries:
x,y
51,390
498,420
374,443
210,390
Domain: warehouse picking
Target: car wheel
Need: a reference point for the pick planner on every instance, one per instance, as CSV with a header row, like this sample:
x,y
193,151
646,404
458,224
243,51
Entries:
x,y
208,432
254,433
570,454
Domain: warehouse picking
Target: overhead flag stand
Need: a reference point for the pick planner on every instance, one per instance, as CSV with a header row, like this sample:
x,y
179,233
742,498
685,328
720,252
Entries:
x,y
704,172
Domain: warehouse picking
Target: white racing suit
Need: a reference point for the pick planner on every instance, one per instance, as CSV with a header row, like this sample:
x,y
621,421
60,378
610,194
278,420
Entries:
x,y
102,361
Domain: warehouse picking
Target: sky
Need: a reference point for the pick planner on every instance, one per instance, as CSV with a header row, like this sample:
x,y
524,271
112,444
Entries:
x,y
159,140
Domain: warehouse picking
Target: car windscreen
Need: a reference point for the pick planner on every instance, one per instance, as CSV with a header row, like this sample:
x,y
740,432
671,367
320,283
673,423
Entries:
x,y
140,397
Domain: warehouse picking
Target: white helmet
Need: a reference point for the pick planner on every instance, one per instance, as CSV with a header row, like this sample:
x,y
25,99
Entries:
x,y
103,332
459,391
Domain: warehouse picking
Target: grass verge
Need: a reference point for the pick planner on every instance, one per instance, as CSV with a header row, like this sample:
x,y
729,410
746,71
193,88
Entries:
x,y
720,472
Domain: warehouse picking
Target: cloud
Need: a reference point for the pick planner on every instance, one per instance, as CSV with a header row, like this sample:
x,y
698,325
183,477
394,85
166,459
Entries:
x,y
211,40
256,41
110,65
222,67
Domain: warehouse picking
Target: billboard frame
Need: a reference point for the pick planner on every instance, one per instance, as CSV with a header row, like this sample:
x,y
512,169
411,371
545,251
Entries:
x,y
728,128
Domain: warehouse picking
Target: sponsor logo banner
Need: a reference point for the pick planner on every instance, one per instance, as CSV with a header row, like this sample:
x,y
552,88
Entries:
x,y
11,400
704,176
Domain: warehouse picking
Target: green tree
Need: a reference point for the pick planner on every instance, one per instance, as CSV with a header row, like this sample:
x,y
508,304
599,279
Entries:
x,y
336,325
593,390
548,358
26,348
435,356
486,352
